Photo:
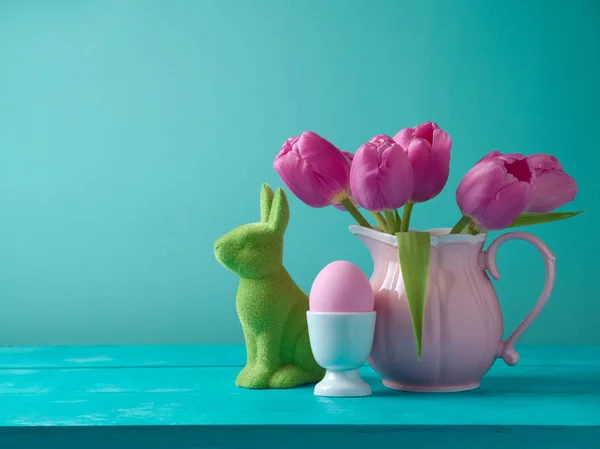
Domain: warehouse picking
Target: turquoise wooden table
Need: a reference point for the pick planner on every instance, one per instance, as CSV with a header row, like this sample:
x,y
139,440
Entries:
x,y
184,397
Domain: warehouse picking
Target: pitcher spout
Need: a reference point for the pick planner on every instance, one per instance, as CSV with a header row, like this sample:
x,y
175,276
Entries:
x,y
381,246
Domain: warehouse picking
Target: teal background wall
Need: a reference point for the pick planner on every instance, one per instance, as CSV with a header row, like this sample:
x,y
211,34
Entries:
x,y
134,133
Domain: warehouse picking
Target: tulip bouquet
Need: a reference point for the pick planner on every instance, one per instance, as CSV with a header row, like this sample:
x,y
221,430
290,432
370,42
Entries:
x,y
387,174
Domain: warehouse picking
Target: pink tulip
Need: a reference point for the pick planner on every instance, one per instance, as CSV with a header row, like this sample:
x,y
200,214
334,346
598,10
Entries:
x,y
381,139
381,176
314,170
349,156
497,189
428,148
554,187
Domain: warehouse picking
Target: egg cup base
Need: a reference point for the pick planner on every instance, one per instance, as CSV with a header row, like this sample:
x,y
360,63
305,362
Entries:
x,y
342,384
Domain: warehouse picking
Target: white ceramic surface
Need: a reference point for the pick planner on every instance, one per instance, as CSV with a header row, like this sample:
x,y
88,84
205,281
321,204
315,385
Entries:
x,y
341,343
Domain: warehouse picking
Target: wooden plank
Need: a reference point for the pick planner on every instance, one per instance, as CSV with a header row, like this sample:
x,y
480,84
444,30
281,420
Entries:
x,y
222,355
293,437
193,409
214,381
40,357
526,396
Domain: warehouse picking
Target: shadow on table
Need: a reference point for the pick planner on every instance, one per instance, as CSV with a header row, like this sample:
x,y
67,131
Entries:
x,y
509,385
580,384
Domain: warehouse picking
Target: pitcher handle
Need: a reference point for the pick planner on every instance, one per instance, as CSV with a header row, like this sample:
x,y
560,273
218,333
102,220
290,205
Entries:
x,y
507,348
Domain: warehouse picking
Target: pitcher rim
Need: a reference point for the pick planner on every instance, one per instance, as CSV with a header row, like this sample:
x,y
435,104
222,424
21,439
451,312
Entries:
x,y
441,237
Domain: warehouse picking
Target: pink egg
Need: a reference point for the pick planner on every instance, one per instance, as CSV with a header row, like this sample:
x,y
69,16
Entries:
x,y
341,287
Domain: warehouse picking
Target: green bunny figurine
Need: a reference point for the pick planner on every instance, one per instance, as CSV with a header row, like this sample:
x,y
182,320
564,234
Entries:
x,y
271,307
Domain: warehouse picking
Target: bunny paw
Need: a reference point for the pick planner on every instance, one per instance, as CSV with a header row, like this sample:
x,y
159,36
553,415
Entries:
x,y
291,376
254,377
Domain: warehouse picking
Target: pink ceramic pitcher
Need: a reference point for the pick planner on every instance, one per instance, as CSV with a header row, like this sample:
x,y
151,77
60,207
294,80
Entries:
x,y
462,332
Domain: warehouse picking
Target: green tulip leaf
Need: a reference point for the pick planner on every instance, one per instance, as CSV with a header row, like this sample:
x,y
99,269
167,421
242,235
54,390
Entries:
x,y
414,250
533,218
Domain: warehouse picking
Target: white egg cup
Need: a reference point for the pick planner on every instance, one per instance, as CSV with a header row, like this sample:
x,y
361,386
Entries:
x,y
341,343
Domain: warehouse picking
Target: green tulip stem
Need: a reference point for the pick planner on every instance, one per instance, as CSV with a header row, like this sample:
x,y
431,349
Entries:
x,y
355,213
391,221
460,225
406,216
380,221
398,220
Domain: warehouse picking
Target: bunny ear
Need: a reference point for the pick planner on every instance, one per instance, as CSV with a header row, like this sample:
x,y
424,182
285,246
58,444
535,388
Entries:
x,y
266,200
280,212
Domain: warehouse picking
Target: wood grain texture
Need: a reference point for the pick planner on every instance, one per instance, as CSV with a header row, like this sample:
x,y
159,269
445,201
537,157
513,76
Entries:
x,y
121,356
226,437
187,393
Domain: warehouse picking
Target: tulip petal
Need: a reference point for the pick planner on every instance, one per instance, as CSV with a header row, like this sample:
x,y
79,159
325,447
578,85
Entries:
x,y
395,177
554,189
497,189
364,180
381,138
441,141
300,179
431,170
325,160
403,137
491,155
315,170
425,131
419,153
541,162
381,176
479,186
507,205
